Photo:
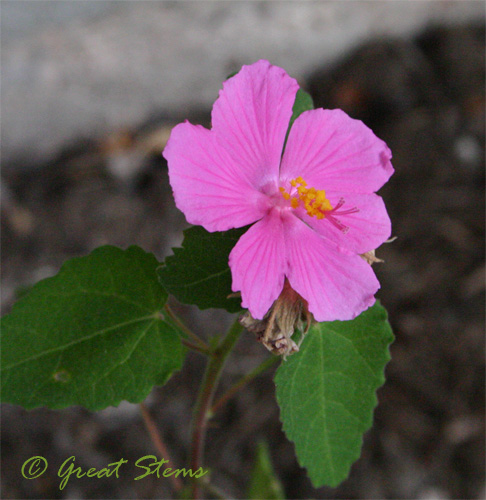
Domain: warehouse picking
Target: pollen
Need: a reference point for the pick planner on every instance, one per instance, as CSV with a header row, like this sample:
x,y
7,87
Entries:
x,y
314,201
284,194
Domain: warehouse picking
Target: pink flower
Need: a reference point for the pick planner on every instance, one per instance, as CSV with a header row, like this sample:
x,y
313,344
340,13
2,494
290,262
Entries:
x,y
313,207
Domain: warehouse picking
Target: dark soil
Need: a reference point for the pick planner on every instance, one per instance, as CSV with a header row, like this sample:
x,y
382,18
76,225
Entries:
x,y
425,98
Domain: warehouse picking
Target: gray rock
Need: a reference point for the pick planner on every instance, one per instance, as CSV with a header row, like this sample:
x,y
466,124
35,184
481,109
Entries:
x,y
74,70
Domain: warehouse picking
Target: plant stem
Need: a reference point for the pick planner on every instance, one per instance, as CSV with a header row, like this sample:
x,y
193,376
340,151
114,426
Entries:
x,y
205,397
158,443
243,381
199,341
196,348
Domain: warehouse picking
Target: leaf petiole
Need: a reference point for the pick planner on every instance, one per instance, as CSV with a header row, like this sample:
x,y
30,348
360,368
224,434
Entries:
x,y
200,344
197,348
243,381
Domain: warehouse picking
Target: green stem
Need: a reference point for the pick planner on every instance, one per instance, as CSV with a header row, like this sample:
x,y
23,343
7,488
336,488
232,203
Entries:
x,y
205,397
242,382
196,348
200,342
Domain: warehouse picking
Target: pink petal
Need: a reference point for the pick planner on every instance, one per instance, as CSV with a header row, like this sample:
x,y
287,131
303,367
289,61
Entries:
x,y
337,285
207,184
334,152
251,117
258,264
366,229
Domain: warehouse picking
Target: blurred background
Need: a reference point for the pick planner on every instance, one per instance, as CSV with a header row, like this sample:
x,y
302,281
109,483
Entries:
x,y
89,93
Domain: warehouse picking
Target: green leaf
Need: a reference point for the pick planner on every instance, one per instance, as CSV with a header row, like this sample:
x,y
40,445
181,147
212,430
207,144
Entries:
x,y
263,481
198,273
231,75
92,335
327,392
303,102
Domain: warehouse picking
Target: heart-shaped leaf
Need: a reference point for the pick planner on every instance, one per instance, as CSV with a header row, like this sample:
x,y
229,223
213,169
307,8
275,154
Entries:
x,y
93,335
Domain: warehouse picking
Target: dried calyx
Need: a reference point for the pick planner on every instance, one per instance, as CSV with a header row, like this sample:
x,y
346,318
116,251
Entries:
x,y
288,313
370,256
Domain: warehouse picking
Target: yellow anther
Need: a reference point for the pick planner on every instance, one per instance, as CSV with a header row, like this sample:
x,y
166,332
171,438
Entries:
x,y
315,202
326,206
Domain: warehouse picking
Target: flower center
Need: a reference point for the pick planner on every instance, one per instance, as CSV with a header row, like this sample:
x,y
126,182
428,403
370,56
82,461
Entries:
x,y
316,203
313,200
